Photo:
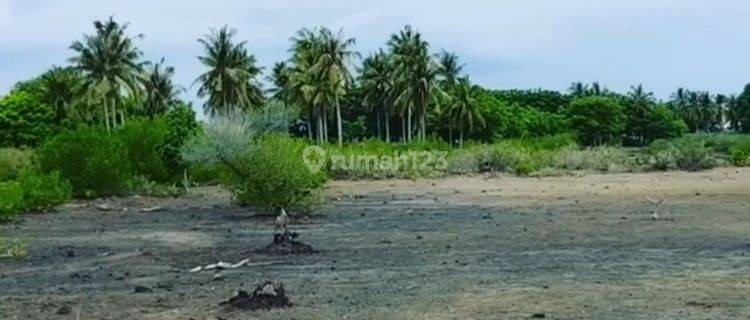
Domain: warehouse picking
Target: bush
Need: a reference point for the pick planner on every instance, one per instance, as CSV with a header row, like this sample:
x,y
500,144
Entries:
x,y
181,127
142,139
43,191
95,161
597,120
11,200
25,121
739,157
12,161
262,166
687,155
273,174
695,157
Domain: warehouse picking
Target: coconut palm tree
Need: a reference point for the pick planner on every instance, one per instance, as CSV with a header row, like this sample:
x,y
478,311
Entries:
x,y
465,109
450,68
331,69
376,80
109,62
279,79
416,77
640,95
60,88
303,87
231,80
159,92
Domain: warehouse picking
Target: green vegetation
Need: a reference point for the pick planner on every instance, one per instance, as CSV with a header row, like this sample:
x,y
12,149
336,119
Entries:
x,y
12,161
94,160
43,191
260,164
274,176
112,123
11,199
142,139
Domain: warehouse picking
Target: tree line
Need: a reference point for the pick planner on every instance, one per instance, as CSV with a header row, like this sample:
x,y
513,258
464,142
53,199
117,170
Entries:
x,y
401,92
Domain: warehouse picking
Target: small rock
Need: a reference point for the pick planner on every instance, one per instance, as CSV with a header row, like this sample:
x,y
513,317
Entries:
x,y
64,310
218,277
539,315
143,289
103,207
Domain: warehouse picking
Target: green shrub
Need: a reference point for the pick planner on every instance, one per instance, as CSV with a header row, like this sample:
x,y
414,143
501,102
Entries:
x,y
142,138
11,200
597,120
25,120
12,161
273,174
690,155
467,160
695,157
181,127
43,191
95,161
739,157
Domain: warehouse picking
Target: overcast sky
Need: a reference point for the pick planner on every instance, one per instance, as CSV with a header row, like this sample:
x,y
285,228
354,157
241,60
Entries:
x,y
664,44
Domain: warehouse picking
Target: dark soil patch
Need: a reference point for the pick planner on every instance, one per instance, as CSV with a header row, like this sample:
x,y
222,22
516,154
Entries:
x,y
285,244
266,296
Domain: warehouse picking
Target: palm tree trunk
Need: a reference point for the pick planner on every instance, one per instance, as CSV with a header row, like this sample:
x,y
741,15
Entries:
x,y
309,122
325,124
408,124
403,128
423,125
377,118
320,127
113,113
461,139
338,122
106,115
387,126
450,134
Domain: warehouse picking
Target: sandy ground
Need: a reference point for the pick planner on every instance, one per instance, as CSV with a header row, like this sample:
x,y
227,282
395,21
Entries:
x,y
482,247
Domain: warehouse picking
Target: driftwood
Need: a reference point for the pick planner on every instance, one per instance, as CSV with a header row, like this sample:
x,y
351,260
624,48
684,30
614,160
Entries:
x,y
221,265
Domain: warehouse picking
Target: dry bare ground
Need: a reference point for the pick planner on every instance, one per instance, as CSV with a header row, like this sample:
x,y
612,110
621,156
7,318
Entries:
x,y
480,247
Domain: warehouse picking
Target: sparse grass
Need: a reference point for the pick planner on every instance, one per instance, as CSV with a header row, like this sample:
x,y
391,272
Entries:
x,y
12,248
555,155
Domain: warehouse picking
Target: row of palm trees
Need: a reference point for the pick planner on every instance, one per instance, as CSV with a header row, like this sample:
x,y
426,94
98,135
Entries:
x,y
403,81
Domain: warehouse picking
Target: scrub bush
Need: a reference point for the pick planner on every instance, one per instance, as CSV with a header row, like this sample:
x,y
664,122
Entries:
x,y
95,161
43,191
273,174
739,157
142,139
12,161
689,155
11,200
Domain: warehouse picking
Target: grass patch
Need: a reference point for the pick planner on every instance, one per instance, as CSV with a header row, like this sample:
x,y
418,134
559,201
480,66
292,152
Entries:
x,y
12,249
